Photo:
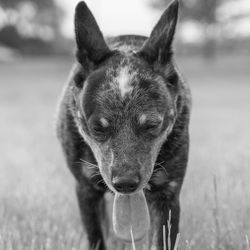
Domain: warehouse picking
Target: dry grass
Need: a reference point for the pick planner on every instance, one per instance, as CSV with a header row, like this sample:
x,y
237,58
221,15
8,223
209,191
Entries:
x,y
38,208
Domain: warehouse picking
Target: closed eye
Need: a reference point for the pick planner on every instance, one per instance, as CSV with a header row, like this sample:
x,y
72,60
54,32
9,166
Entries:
x,y
150,122
99,128
151,126
150,129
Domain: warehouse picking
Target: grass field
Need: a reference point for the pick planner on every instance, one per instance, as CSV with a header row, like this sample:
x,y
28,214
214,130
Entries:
x,y
38,208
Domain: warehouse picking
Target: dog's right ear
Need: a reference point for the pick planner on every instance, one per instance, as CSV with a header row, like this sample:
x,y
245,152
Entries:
x,y
89,39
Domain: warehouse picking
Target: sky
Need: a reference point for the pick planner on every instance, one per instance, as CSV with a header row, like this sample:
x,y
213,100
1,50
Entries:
x,y
115,17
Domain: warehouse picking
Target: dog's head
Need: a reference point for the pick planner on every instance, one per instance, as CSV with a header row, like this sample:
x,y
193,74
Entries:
x,y
124,100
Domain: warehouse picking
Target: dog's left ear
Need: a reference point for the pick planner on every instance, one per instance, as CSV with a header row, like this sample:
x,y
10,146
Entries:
x,y
89,39
158,47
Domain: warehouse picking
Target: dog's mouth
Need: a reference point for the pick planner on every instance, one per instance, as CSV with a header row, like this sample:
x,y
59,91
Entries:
x,y
131,219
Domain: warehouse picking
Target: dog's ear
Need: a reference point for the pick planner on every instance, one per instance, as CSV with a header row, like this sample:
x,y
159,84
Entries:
x,y
158,47
89,39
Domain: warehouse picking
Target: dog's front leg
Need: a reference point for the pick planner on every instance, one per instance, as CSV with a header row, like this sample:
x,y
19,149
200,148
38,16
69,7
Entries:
x,y
90,202
167,213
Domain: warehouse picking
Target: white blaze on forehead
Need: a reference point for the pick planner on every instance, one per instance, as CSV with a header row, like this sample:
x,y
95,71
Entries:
x,y
124,81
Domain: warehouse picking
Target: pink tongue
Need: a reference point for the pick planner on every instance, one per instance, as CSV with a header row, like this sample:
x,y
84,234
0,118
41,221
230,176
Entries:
x,y
130,212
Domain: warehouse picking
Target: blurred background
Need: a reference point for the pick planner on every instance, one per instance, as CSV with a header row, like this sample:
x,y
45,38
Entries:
x,y
46,27
38,209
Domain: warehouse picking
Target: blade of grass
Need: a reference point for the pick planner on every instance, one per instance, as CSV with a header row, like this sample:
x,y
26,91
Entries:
x,y
216,214
247,242
97,245
188,245
177,241
169,230
132,238
164,238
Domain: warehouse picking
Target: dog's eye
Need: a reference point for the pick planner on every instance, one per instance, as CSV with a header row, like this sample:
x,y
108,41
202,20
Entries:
x,y
150,130
151,126
150,123
99,129
99,133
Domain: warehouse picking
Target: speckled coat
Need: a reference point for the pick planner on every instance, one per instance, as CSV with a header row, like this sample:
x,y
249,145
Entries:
x,y
126,109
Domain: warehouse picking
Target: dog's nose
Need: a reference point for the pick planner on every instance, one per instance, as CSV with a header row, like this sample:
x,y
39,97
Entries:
x,y
125,184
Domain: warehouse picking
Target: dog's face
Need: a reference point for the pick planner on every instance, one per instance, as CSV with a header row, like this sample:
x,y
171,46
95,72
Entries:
x,y
124,108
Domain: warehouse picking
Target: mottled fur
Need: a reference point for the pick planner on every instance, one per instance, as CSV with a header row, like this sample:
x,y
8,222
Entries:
x,y
100,123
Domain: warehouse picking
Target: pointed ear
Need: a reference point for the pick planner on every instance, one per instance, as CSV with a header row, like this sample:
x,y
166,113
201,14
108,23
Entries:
x,y
89,39
158,47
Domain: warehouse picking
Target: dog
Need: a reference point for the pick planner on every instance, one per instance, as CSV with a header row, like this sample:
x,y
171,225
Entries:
x,y
123,125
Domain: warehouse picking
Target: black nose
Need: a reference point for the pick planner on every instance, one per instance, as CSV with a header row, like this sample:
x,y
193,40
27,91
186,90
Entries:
x,y
125,184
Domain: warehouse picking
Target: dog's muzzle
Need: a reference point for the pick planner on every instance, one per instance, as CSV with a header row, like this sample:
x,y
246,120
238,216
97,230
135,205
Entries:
x,y
125,180
126,184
